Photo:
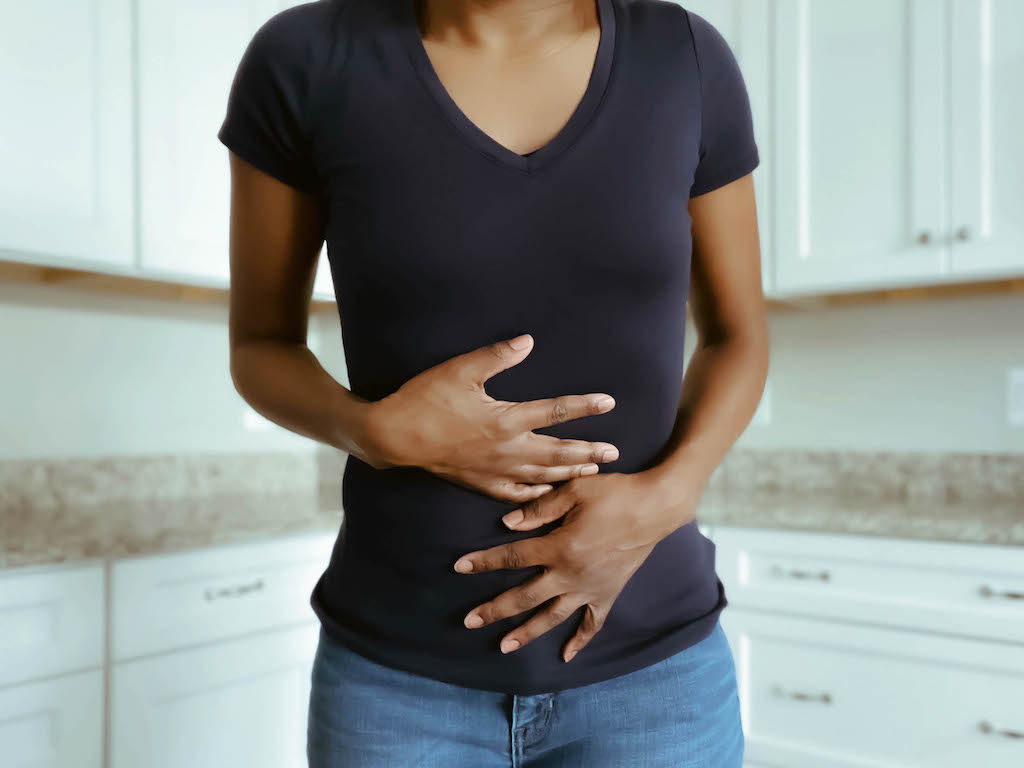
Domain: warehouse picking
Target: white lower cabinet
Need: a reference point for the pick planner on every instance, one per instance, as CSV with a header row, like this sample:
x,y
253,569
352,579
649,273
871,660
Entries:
x,y
865,652
239,703
825,695
53,723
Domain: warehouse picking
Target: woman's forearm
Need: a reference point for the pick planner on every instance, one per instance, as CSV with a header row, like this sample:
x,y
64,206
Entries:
x,y
721,389
286,384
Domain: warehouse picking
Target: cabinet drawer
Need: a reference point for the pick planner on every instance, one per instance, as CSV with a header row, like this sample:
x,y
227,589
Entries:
x,y
971,590
51,621
176,600
54,723
817,694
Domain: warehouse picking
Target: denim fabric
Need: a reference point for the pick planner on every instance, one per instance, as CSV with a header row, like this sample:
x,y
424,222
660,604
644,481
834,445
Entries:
x,y
682,712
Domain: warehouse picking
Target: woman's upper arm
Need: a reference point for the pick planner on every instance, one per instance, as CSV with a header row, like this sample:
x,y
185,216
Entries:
x,y
277,232
278,212
726,295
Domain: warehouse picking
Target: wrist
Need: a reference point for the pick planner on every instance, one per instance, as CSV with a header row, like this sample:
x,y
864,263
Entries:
x,y
390,438
676,494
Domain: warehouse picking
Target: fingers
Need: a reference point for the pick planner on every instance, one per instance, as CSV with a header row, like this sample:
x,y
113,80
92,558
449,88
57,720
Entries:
x,y
514,601
516,554
532,414
593,620
560,609
484,362
558,451
533,473
537,512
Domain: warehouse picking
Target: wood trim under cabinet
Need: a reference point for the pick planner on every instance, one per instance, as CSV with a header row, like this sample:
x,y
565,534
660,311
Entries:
x,y
125,285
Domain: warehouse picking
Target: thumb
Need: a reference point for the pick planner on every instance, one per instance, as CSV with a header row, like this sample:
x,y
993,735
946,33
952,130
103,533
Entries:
x,y
541,510
484,362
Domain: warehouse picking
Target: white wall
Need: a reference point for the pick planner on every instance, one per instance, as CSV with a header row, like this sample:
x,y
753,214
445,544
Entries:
x,y
88,374
928,375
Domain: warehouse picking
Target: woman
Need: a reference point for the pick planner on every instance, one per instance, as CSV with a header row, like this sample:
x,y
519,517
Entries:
x,y
518,196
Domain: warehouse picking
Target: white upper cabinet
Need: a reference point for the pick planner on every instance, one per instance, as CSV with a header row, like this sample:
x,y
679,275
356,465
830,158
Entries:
x,y
860,194
987,131
66,149
746,27
188,53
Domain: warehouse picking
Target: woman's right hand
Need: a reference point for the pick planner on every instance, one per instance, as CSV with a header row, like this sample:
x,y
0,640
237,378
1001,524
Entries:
x,y
443,421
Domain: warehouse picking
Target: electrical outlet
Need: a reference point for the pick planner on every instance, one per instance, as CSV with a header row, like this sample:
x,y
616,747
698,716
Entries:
x,y
1015,397
763,415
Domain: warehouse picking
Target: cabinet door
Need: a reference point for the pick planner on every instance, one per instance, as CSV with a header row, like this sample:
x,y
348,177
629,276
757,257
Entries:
x,y
53,723
189,51
66,148
240,703
987,128
746,26
860,198
818,694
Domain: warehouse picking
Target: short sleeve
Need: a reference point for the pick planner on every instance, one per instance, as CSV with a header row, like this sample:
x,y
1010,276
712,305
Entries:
x,y
267,120
727,147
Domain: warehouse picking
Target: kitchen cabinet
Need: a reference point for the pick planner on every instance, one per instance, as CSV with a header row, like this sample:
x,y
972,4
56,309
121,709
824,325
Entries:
x,y
987,113
860,150
746,27
212,653
66,140
53,723
830,695
858,651
51,666
897,151
188,53
242,702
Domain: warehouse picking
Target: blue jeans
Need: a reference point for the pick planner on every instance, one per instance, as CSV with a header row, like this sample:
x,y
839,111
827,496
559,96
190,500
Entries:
x,y
681,712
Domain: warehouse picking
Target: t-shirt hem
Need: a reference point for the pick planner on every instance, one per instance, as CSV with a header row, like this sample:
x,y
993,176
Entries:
x,y
740,168
259,160
668,645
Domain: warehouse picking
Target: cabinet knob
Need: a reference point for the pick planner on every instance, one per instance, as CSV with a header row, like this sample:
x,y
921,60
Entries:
x,y
782,693
924,238
986,591
986,727
796,573
963,234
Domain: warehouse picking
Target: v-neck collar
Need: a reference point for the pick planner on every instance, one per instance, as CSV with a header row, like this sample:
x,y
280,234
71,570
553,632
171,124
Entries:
x,y
578,120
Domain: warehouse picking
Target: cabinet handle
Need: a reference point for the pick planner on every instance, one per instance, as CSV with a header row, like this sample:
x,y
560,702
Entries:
x,y
986,727
823,698
794,573
986,591
236,591
963,234
924,237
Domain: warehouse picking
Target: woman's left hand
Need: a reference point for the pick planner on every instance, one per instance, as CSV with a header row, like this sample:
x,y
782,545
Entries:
x,y
611,523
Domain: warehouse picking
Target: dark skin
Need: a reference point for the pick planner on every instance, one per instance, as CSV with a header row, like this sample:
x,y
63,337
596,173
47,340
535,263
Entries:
x,y
443,421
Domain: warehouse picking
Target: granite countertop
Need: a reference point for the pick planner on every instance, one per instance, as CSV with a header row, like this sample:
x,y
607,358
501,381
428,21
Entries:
x,y
131,528
969,522
127,528
66,510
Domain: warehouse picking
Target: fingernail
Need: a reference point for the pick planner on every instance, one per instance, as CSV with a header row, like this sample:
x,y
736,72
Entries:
x,y
605,404
474,620
508,645
520,342
568,656
590,469
515,517
462,565
610,454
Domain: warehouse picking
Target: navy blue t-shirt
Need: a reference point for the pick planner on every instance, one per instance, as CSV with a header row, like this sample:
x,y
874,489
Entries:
x,y
441,240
